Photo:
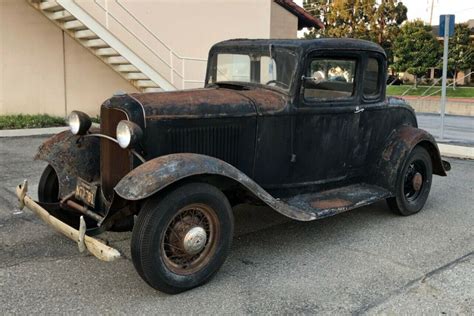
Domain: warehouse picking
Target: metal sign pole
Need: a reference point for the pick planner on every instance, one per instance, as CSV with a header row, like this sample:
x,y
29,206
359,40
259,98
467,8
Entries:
x,y
445,73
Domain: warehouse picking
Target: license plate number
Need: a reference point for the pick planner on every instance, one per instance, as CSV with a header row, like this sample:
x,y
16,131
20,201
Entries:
x,y
86,192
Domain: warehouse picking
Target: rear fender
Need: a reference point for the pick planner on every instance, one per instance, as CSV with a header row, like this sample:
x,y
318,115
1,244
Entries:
x,y
157,174
398,146
71,156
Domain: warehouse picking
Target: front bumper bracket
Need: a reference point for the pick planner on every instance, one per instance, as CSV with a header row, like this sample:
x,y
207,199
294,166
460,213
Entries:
x,y
94,246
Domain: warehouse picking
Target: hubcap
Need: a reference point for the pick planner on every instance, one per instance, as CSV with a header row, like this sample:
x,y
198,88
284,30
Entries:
x,y
414,180
417,181
190,239
194,240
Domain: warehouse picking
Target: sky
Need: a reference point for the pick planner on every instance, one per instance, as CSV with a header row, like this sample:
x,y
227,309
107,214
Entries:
x,y
420,9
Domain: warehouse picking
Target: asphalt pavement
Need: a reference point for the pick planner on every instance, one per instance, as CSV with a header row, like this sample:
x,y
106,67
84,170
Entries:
x,y
367,260
457,129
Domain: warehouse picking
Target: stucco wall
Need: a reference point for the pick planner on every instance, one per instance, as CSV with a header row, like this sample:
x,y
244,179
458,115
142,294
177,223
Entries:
x,y
32,61
45,71
190,27
186,27
88,80
283,24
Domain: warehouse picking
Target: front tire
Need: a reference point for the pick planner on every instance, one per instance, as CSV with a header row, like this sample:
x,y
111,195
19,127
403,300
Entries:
x,y
48,193
413,183
48,187
180,240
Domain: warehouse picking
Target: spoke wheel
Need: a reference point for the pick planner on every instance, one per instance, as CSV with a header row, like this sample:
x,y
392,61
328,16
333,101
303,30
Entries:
x,y
182,238
190,239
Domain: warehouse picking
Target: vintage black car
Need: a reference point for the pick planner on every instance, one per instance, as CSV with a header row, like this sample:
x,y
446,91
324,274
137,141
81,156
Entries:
x,y
302,126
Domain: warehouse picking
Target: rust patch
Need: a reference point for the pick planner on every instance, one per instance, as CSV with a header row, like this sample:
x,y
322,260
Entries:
x,y
397,149
333,203
115,161
209,102
71,157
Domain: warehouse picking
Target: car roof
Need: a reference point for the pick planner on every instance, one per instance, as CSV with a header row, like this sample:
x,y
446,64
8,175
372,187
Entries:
x,y
304,44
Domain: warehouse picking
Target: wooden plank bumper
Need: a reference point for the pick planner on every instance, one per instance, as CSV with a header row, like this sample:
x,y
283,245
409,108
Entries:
x,y
94,246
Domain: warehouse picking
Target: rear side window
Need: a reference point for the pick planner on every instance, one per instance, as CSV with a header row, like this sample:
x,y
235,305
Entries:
x,y
371,78
328,79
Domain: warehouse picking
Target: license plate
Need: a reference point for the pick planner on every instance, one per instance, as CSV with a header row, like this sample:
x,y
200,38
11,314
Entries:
x,y
86,192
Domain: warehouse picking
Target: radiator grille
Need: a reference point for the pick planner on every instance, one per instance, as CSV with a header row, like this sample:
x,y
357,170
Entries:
x,y
217,141
114,161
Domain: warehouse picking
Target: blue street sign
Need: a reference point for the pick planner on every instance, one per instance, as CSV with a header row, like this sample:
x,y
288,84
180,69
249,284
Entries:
x,y
442,22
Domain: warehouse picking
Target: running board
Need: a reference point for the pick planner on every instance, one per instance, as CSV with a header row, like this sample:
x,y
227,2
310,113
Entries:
x,y
331,202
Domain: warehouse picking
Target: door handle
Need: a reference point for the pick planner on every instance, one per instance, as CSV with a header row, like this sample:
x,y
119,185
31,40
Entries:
x,y
359,110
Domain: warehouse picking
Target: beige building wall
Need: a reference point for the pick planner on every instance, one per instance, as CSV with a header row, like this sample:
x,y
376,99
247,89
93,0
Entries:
x,y
162,31
32,61
283,24
43,70
190,27
89,81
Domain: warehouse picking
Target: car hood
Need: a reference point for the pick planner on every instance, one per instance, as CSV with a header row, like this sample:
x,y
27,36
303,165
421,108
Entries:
x,y
209,102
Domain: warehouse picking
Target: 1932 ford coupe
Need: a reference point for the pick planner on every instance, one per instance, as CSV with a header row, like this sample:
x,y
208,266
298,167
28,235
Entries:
x,y
302,126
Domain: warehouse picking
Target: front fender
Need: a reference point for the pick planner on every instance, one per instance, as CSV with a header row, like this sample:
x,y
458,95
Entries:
x,y
71,158
398,146
156,174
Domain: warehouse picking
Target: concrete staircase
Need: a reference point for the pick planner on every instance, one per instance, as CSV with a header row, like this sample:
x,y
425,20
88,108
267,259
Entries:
x,y
105,47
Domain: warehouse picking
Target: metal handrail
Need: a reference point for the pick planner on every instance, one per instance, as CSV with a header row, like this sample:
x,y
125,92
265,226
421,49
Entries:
x,y
429,88
173,70
436,91
156,37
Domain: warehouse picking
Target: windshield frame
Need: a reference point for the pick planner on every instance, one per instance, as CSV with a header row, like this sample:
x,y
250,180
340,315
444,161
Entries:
x,y
264,50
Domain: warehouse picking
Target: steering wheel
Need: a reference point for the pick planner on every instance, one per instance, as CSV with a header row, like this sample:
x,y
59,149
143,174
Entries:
x,y
276,82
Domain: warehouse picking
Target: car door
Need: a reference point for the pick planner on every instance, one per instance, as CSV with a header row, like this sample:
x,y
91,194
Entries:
x,y
376,120
326,120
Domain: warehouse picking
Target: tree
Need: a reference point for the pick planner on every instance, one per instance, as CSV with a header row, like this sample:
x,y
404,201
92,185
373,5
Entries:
x,y
390,15
342,18
365,19
416,49
461,51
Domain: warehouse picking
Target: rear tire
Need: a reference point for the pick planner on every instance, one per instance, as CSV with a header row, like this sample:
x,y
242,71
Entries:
x,y
413,183
180,240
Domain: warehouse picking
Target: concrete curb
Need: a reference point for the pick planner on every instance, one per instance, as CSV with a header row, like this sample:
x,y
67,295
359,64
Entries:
x,y
36,131
32,131
455,151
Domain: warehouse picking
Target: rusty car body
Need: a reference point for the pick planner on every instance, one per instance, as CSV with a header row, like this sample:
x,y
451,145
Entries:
x,y
302,126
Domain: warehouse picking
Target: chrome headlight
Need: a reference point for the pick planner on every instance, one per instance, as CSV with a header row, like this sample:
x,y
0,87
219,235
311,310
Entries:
x,y
128,134
79,122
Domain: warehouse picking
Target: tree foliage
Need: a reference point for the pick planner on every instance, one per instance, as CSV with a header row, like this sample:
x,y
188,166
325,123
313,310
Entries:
x,y
461,50
416,49
365,19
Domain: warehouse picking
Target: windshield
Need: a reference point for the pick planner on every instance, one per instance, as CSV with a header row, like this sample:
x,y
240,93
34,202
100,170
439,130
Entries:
x,y
274,68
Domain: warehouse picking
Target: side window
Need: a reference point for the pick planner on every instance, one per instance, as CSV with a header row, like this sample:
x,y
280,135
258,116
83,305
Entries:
x,y
267,69
330,78
371,78
233,67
